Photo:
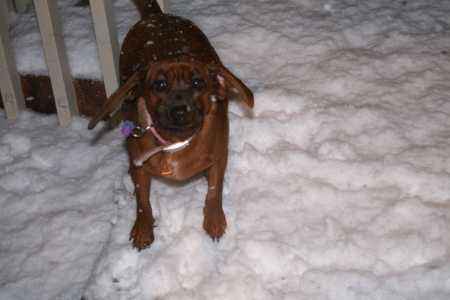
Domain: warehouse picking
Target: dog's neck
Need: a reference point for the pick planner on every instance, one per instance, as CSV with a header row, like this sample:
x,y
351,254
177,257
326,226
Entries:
x,y
166,145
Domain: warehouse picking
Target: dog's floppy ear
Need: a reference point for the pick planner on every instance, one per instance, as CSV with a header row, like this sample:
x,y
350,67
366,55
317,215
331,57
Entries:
x,y
232,81
116,99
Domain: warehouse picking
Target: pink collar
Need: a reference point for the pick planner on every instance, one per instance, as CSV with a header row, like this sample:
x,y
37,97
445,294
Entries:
x,y
128,128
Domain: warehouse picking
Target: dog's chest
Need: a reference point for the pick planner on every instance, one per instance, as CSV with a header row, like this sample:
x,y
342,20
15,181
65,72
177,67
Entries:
x,y
179,166
188,162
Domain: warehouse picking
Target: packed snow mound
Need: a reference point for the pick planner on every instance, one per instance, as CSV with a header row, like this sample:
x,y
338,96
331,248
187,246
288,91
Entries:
x,y
337,185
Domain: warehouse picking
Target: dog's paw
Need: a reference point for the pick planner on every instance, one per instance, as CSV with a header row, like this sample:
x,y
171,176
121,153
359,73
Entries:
x,y
142,234
214,223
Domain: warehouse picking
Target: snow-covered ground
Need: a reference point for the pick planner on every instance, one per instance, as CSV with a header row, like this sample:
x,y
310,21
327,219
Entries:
x,y
338,183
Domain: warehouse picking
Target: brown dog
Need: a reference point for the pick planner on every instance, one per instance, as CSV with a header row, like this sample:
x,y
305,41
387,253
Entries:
x,y
174,90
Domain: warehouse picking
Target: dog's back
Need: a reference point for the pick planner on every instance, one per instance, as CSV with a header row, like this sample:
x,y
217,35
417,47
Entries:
x,y
158,35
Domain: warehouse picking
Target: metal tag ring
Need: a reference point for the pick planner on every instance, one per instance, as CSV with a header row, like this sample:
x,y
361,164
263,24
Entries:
x,y
140,131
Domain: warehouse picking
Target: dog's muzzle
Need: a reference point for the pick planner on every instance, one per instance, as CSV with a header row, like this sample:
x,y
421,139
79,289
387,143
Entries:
x,y
180,114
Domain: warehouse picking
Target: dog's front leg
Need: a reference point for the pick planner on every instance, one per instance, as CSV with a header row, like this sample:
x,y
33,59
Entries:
x,y
215,222
142,231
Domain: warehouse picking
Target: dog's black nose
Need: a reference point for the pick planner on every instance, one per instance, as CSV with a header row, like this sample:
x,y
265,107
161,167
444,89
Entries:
x,y
180,115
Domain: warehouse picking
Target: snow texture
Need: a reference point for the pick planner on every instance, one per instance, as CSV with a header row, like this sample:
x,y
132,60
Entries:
x,y
338,182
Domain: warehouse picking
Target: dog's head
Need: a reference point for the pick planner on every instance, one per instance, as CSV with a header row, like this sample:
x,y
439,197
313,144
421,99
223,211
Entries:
x,y
178,92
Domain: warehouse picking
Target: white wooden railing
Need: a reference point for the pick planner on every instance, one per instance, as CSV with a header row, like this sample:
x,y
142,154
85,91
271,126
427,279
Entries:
x,y
56,55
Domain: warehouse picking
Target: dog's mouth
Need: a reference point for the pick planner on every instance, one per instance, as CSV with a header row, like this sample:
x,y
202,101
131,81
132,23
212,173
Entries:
x,y
180,118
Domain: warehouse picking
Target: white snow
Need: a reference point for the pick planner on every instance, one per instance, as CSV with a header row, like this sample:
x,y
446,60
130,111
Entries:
x,y
338,182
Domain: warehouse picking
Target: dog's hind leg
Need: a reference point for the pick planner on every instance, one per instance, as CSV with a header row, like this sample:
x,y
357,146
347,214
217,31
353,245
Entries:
x,y
142,231
214,221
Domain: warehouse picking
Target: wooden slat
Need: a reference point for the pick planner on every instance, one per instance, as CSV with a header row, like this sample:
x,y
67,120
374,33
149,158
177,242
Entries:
x,y
57,61
108,49
21,5
6,7
165,6
11,90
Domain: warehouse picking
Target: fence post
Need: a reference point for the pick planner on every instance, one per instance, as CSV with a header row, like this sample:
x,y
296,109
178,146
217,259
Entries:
x,y
108,49
164,5
21,5
10,87
57,61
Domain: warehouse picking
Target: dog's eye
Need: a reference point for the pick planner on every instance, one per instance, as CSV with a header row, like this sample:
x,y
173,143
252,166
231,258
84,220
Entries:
x,y
198,83
160,85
